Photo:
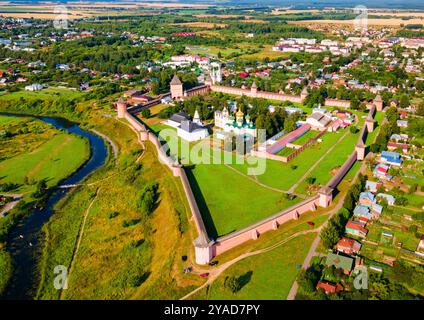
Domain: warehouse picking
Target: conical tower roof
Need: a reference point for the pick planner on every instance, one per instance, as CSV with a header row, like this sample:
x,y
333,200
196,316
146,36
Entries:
x,y
175,80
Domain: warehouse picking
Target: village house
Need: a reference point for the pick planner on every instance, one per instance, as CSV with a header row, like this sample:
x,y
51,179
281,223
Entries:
x,y
329,287
372,186
389,198
392,146
391,158
340,262
34,87
381,171
356,228
348,246
402,123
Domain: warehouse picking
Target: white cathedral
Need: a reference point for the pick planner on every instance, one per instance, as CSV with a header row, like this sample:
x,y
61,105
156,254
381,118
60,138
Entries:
x,y
238,125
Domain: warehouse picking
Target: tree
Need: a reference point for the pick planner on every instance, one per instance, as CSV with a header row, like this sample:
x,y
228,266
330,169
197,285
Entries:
x,y
290,124
146,113
147,198
404,101
41,189
330,235
232,284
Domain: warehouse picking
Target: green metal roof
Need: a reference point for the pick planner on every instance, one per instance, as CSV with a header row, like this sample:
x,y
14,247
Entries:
x,y
339,261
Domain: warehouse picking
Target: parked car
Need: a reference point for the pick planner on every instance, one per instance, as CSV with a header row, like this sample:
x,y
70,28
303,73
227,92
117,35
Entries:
x,y
184,258
311,223
187,270
204,275
213,263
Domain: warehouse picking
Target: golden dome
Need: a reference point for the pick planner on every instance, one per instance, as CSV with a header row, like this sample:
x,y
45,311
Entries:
x,y
239,113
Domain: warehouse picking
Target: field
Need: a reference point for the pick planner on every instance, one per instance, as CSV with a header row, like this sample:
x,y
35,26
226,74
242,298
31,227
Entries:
x,y
381,248
305,137
224,209
204,25
269,275
137,258
393,22
45,93
230,201
265,52
53,156
329,165
285,175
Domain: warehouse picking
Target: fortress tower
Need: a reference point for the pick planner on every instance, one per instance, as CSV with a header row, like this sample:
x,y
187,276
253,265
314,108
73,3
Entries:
x,y
216,74
121,107
325,197
378,103
360,150
177,91
370,123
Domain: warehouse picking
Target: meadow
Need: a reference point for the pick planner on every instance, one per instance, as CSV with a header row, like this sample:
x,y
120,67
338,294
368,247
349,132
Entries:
x,y
230,199
53,160
38,150
222,193
268,275
121,255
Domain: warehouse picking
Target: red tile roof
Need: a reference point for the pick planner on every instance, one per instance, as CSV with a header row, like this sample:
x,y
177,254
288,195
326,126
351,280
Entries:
x,y
356,226
280,144
348,244
329,287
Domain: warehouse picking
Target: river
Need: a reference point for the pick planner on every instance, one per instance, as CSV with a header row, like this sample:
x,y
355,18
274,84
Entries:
x,y
26,251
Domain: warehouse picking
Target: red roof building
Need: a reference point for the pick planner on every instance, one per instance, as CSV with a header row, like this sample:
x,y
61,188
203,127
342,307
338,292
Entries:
x,y
391,146
356,228
348,246
329,287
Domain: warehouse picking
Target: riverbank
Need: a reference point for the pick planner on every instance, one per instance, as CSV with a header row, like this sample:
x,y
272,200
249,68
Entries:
x,y
23,239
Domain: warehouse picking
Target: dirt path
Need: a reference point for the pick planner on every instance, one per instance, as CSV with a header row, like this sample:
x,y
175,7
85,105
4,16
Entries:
x,y
112,144
255,180
79,239
215,273
293,187
8,206
312,250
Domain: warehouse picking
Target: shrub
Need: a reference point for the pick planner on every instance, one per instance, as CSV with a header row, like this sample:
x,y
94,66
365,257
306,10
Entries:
x,y
113,214
146,113
147,198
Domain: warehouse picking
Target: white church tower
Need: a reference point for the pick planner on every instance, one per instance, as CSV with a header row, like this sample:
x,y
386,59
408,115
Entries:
x,y
196,118
216,73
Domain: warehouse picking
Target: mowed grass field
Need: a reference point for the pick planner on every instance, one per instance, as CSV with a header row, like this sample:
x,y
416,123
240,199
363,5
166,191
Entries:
x,y
55,158
229,200
268,275
327,168
283,175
